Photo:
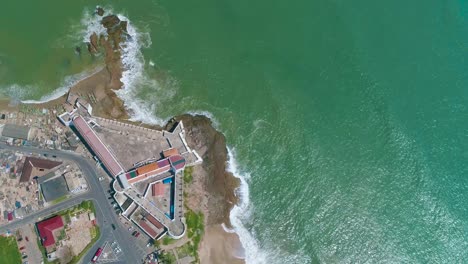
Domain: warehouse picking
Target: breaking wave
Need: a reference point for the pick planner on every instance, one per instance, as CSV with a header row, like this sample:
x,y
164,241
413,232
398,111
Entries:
x,y
67,83
242,211
133,79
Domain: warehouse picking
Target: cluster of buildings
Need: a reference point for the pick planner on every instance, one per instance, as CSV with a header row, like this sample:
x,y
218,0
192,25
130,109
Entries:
x,y
146,165
29,182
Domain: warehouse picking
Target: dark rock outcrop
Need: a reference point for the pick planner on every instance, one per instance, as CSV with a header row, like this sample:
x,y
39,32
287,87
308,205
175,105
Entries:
x,y
99,11
219,184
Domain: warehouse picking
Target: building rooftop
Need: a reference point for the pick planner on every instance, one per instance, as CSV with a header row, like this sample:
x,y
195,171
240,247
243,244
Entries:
x,y
37,166
158,189
46,230
16,131
54,188
97,146
170,152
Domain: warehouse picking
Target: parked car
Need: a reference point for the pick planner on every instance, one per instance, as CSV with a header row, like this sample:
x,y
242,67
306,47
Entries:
x,y
27,239
137,234
23,247
134,233
25,256
113,226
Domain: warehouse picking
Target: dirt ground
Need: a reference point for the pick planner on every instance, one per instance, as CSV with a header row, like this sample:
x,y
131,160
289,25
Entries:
x,y
78,236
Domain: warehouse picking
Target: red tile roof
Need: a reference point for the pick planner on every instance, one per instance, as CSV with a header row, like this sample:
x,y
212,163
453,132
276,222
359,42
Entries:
x,y
177,161
153,220
46,229
170,152
98,147
151,232
158,189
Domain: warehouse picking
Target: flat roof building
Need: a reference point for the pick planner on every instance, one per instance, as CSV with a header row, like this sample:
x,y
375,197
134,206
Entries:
x,y
54,188
16,131
158,189
97,146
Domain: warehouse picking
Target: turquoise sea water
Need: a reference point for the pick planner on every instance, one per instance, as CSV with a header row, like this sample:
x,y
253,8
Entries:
x,y
347,120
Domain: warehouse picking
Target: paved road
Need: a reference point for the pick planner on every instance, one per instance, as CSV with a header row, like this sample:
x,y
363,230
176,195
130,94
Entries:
x,y
105,214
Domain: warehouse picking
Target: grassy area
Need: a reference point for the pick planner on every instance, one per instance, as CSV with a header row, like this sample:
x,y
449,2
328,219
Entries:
x,y
9,252
94,231
188,175
60,199
167,240
167,258
82,207
195,230
62,235
97,233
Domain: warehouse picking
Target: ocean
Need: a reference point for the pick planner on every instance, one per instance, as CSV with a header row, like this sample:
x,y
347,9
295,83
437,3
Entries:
x,y
346,121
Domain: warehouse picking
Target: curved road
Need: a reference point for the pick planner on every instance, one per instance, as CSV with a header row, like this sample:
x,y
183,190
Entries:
x,y
105,214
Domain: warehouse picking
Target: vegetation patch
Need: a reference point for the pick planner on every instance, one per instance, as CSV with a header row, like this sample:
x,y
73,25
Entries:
x,y
9,252
60,199
167,240
188,178
195,230
85,206
167,258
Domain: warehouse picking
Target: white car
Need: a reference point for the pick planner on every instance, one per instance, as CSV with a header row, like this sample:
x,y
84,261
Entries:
x,y
101,178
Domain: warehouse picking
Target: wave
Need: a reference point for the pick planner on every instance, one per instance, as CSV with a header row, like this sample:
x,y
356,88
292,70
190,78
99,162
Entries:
x,y
214,121
67,83
91,23
241,211
133,79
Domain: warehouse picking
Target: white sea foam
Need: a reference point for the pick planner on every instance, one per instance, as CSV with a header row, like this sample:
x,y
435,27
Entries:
x,y
67,83
16,92
208,114
133,78
92,24
241,211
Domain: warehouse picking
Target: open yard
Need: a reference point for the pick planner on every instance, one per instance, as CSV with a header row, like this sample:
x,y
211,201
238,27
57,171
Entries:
x,y
9,253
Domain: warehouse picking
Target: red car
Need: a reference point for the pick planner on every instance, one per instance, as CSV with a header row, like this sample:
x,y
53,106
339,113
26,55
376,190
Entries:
x,y
23,247
137,234
27,239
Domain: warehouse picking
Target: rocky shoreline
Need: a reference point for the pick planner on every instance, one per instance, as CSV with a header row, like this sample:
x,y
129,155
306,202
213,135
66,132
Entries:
x,y
213,188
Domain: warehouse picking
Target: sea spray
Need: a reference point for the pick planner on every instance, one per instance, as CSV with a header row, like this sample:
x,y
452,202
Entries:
x,y
134,77
241,211
67,83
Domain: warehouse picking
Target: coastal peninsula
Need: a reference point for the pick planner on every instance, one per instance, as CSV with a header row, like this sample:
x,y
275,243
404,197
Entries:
x,y
182,173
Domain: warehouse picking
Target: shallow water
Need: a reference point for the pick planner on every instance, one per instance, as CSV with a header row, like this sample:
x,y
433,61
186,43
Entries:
x,y
346,120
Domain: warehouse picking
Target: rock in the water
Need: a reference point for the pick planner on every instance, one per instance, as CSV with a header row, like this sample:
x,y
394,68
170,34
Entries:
x,y
109,22
91,48
99,11
93,44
